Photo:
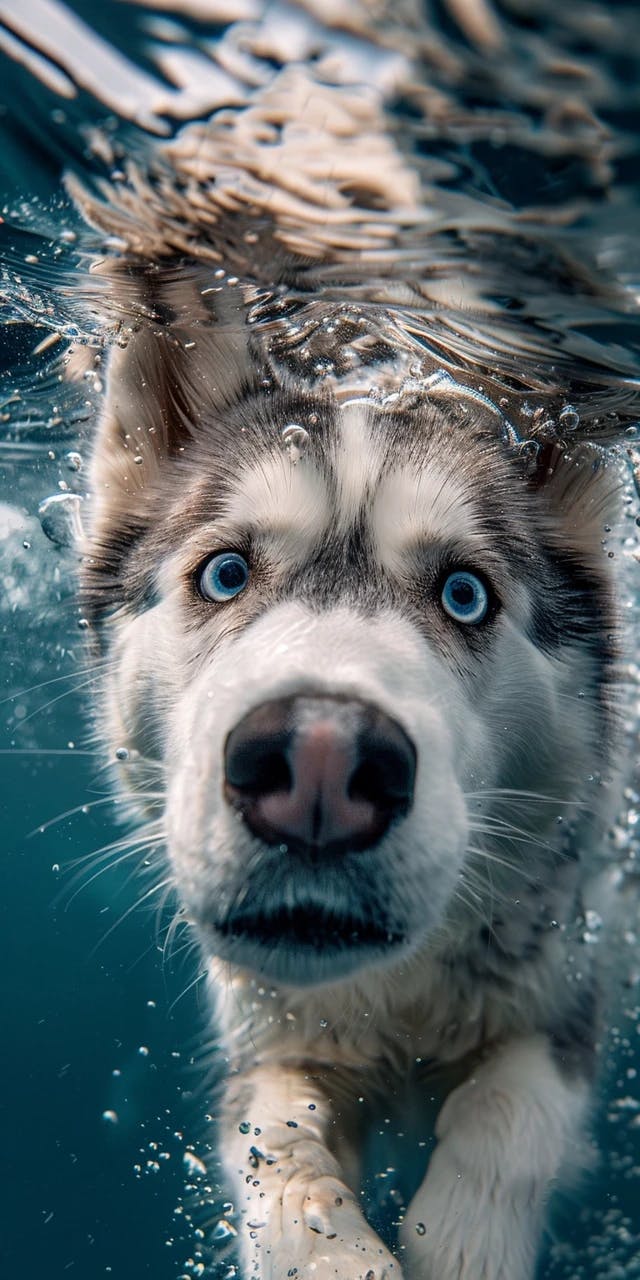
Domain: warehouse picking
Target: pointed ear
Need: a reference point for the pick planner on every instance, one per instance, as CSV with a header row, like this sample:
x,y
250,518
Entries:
x,y
182,365
582,487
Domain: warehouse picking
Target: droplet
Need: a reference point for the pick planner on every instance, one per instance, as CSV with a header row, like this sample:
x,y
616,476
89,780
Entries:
x,y
122,753
143,1051
110,1117
60,518
244,1126
73,460
421,1230
296,439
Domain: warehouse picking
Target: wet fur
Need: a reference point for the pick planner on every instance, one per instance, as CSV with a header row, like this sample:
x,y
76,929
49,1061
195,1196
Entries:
x,y
514,723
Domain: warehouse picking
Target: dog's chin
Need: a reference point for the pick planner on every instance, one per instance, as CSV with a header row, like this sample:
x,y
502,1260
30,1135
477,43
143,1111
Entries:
x,y
304,946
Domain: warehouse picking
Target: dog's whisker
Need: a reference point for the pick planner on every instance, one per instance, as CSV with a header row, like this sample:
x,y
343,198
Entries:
x,y
70,752
511,794
135,906
81,881
494,859
185,991
178,921
86,807
151,831
52,702
99,670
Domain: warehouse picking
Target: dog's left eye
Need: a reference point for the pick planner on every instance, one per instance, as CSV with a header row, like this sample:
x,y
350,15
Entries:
x,y
223,576
465,597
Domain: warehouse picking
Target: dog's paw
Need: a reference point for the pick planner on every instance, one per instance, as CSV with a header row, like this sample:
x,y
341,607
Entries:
x,y
334,1260
321,1235
456,1233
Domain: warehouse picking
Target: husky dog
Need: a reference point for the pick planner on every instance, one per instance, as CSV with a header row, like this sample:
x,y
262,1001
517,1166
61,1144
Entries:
x,y
368,646
343,559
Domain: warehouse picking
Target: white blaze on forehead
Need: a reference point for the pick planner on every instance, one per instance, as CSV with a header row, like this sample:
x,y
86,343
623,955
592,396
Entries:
x,y
432,504
357,462
276,498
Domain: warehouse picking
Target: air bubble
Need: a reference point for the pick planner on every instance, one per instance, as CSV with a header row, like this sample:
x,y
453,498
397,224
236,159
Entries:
x,y
193,1164
73,460
60,518
296,439
421,1230
121,753
223,1230
569,418
110,1117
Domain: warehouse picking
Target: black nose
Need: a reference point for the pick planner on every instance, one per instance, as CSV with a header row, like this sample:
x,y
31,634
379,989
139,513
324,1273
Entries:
x,y
319,773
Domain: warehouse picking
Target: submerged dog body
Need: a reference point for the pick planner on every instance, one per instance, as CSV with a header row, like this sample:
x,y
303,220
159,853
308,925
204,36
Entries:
x,y
362,648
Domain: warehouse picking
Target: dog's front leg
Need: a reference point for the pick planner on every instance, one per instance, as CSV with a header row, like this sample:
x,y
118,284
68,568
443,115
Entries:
x,y
298,1216
503,1137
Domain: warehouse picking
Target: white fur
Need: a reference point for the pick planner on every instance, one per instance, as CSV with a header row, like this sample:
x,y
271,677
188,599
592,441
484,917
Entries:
x,y
503,1137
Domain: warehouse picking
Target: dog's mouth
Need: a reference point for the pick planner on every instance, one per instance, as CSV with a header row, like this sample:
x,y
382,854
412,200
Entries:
x,y
310,930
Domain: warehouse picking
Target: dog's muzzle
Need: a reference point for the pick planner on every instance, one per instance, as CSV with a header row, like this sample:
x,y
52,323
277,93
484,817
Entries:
x,y
319,775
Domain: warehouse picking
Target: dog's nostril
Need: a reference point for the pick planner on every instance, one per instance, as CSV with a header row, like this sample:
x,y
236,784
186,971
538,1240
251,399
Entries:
x,y
319,773
373,783
257,768
385,773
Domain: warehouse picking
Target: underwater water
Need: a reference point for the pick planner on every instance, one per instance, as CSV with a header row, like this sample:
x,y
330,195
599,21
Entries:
x,y
527,123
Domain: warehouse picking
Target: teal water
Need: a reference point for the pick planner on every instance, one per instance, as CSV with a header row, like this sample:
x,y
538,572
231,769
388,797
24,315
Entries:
x,y
107,1076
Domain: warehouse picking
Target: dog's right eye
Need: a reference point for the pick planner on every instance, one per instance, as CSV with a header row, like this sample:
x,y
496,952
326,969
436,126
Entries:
x,y
222,577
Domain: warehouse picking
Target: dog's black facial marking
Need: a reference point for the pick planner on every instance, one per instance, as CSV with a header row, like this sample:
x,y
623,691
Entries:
x,y
578,607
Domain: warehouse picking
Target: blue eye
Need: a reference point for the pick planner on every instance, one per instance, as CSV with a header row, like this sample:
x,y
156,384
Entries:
x,y
223,577
465,598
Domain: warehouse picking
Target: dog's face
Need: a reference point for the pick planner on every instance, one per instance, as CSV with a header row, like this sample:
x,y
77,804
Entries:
x,y
349,636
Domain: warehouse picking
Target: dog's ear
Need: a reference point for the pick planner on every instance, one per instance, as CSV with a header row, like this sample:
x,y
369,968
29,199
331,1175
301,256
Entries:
x,y
181,364
582,488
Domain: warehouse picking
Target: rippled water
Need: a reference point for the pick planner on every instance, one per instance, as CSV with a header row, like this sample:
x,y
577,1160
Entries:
x,y
391,194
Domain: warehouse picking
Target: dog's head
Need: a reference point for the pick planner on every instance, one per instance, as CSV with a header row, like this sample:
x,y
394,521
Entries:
x,y
363,645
